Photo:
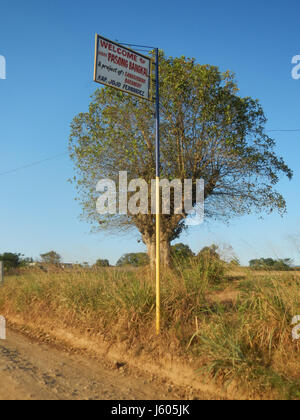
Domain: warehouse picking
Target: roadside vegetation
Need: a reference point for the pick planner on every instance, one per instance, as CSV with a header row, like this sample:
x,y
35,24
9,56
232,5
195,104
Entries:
x,y
231,324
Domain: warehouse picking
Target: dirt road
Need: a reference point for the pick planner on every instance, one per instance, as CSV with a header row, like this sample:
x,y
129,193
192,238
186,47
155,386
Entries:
x,y
35,371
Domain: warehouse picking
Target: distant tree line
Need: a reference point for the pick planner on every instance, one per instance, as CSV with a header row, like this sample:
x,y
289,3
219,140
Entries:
x,y
12,260
180,254
137,259
271,264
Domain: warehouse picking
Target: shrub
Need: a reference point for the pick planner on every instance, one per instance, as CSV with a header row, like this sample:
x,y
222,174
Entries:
x,y
139,259
102,263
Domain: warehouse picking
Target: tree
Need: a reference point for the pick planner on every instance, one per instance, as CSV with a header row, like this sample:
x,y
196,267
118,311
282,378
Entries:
x,y
138,259
25,262
207,132
51,257
271,264
11,260
283,264
209,252
181,252
102,263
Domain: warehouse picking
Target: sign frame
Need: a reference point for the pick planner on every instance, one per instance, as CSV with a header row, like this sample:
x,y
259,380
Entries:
x,y
150,59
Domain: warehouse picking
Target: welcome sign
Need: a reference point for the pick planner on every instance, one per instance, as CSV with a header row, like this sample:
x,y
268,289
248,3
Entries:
x,y
122,68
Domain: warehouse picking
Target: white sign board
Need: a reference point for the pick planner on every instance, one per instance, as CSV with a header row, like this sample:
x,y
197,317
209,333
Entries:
x,y
122,68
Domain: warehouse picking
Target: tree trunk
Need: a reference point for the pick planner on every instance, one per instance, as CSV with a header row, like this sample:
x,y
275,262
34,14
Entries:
x,y
165,253
165,248
151,252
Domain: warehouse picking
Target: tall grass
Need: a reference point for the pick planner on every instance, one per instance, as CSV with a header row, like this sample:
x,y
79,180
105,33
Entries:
x,y
251,341
246,340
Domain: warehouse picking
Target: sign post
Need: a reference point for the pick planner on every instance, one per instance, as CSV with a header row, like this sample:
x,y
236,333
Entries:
x,y
122,68
1,273
129,71
157,155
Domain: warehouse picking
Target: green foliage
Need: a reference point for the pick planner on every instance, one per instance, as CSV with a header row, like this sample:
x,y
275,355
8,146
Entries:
x,y
11,260
209,252
102,263
181,253
208,265
271,264
51,257
138,259
211,268
201,270
207,131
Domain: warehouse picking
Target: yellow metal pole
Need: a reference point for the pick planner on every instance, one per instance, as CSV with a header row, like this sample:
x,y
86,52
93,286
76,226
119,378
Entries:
x,y
157,258
157,156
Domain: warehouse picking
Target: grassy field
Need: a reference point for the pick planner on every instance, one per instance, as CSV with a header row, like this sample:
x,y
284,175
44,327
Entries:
x,y
232,326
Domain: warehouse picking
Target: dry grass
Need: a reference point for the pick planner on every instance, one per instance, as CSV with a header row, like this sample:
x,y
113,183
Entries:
x,y
233,327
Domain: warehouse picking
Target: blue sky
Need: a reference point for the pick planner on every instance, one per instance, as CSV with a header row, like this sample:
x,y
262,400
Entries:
x,y
49,48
